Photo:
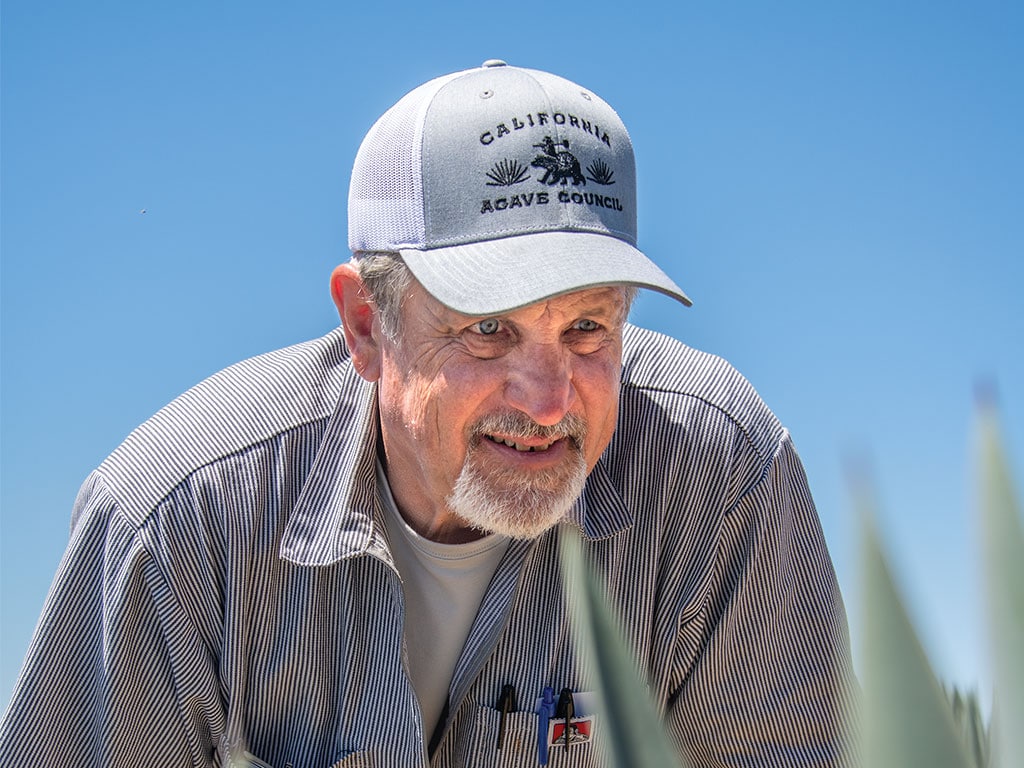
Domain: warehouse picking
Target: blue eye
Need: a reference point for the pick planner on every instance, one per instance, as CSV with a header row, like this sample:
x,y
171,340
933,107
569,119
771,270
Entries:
x,y
488,327
587,325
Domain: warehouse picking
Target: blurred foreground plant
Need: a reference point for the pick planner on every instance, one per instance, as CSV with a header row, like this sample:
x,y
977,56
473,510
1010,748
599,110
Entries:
x,y
632,732
907,719
971,725
1002,552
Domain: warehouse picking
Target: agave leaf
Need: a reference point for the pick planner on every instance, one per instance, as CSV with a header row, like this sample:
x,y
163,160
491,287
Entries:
x,y
1002,543
631,731
906,720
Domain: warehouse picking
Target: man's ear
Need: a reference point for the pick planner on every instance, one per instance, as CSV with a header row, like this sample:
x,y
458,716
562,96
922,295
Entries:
x,y
359,320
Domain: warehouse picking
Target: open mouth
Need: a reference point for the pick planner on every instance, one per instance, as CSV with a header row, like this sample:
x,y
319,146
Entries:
x,y
521,447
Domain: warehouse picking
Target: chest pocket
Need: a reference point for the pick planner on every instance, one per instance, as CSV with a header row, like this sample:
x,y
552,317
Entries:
x,y
479,747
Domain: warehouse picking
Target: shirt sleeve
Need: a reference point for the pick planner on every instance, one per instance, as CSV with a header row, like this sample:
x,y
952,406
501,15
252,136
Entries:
x,y
772,681
115,674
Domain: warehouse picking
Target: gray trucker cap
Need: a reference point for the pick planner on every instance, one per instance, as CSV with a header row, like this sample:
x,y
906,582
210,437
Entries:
x,y
500,187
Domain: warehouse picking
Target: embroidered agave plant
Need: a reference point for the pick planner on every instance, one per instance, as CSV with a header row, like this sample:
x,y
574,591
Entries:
x,y
505,173
599,172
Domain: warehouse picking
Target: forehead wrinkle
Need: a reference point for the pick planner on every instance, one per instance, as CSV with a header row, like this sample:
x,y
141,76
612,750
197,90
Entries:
x,y
591,302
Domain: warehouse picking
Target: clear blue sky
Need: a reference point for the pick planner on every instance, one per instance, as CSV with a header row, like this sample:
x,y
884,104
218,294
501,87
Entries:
x,y
837,186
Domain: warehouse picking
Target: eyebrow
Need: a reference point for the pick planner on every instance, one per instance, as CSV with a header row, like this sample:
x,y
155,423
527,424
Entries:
x,y
616,307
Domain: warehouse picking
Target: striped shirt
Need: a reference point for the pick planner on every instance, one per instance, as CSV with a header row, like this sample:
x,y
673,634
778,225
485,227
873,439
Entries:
x,y
228,595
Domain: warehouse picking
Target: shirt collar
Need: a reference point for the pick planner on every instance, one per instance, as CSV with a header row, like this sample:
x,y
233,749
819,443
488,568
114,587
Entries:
x,y
334,516
600,512
338,510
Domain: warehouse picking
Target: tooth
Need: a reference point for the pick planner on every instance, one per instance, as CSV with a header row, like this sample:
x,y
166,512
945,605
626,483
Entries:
x,y
519,446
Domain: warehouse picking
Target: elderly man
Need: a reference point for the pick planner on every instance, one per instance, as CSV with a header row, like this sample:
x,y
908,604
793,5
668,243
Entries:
x,y
346,552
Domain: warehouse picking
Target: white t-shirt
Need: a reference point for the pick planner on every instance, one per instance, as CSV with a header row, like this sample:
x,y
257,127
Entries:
x,y
443,585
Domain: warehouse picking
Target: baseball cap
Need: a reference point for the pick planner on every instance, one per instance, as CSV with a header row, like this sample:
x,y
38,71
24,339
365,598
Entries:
x,y
502,186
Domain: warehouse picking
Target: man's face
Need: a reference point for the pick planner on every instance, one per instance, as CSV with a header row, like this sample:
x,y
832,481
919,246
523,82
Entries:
x,y
493,423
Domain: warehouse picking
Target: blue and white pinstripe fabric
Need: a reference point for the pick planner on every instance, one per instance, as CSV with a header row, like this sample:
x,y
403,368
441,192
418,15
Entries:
x,y
228,596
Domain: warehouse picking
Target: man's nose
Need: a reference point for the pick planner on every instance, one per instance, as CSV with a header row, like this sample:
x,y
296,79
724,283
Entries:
x,y
541,384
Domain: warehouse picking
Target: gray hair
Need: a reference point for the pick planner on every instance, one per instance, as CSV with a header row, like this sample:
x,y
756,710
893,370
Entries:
x,y
388,279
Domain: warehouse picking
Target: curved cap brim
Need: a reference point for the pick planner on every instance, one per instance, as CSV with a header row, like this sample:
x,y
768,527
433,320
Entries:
x,y
496,276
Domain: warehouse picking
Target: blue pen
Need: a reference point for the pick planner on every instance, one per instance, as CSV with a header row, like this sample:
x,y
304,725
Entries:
x,y
545,711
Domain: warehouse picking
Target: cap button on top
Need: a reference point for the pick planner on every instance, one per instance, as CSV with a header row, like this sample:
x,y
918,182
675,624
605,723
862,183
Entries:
x,y
494,63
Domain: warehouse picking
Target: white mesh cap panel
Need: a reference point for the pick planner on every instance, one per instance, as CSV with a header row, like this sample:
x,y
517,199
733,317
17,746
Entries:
x,y
385,201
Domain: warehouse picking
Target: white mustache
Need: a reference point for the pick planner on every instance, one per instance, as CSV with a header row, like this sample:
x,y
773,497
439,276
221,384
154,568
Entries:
x,y
515,424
